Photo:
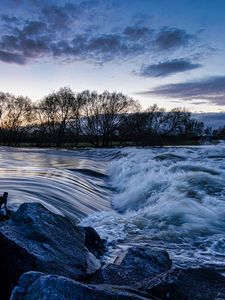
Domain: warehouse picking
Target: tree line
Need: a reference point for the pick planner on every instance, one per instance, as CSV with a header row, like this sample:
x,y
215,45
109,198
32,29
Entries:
x,y
90,118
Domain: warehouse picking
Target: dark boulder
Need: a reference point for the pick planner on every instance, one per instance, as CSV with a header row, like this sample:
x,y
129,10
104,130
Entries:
x,y
189,284
39,286
36,239
134,266
93,242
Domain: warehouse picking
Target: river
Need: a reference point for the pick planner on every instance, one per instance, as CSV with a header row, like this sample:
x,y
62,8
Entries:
x,y
170,198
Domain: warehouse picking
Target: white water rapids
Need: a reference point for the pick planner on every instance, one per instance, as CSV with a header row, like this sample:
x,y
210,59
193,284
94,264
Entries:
x,y
169,198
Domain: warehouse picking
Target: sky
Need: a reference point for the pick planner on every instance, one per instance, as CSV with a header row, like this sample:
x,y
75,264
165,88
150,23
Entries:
x,y
168,52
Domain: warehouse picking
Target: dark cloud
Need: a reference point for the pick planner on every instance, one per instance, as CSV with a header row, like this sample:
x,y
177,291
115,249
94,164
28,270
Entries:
x,y
58,31
34,28
26,46
210,89
132,41
135,32
99,49
166,68
9,19
10,57
168,38
59,16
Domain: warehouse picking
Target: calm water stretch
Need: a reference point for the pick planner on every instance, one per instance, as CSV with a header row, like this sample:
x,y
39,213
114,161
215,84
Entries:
x,y
169,198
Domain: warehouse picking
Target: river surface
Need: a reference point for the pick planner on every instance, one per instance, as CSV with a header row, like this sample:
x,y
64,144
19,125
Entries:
x,y
168,198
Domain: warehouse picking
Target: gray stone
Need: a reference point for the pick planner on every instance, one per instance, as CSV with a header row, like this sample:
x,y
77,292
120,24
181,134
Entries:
x,y
36,239
186,284
93,242
39,286
134,266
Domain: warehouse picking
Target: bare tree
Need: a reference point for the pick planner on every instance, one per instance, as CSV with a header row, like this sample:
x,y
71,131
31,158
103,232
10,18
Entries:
x,y
63,116
57,111
194,128
143,126
103,113
15,115
4,100
175,121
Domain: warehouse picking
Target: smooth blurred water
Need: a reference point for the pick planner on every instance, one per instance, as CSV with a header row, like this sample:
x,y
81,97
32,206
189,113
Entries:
x,y
169,198
73,183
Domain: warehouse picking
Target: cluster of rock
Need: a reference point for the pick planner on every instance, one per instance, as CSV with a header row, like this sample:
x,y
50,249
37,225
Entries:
x,y
46,256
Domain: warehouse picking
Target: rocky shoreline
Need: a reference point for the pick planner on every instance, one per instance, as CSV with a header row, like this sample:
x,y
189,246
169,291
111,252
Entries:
x,y
47,256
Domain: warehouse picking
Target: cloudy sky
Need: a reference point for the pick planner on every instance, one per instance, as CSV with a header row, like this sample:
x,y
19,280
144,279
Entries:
x,y
169,52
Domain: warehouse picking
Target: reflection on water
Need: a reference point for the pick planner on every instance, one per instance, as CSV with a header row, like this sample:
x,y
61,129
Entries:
x,y
61,180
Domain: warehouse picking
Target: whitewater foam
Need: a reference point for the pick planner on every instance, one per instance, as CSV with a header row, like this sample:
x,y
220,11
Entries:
x,y
173,198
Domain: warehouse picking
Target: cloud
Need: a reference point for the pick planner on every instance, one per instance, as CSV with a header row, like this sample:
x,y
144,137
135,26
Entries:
x,y
10,57
34,28
168,38
27,47
62,32
9,19
137,33
100,48
166,68
211,89
59,16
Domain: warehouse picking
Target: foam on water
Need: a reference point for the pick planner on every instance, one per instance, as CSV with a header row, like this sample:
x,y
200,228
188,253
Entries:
x,y
171,198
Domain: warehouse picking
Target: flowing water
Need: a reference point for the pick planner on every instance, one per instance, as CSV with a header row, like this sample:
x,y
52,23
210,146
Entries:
x,y
169,198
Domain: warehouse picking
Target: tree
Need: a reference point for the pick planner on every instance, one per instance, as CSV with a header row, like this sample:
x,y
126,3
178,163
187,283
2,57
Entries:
x,y
176,121
143,127
103,113
194,128
15,115
57,111
89,124
114,107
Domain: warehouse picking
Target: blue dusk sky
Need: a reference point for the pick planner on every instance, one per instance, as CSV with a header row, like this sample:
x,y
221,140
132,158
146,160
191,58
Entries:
x,y
168,52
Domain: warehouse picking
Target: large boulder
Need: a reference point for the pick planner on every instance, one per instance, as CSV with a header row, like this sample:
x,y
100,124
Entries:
x,y
134,266
189,284
93,242
36,239
39,286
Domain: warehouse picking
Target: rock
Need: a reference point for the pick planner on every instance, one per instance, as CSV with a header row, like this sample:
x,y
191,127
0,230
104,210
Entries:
x,y
189,284
39,286
4,218
134,266
93,242
5,215
38,240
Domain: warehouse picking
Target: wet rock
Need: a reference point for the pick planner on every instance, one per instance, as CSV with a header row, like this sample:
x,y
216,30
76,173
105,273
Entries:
x,y
36,239
39,286
93,242
189,284
134,266
4,218
5,215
